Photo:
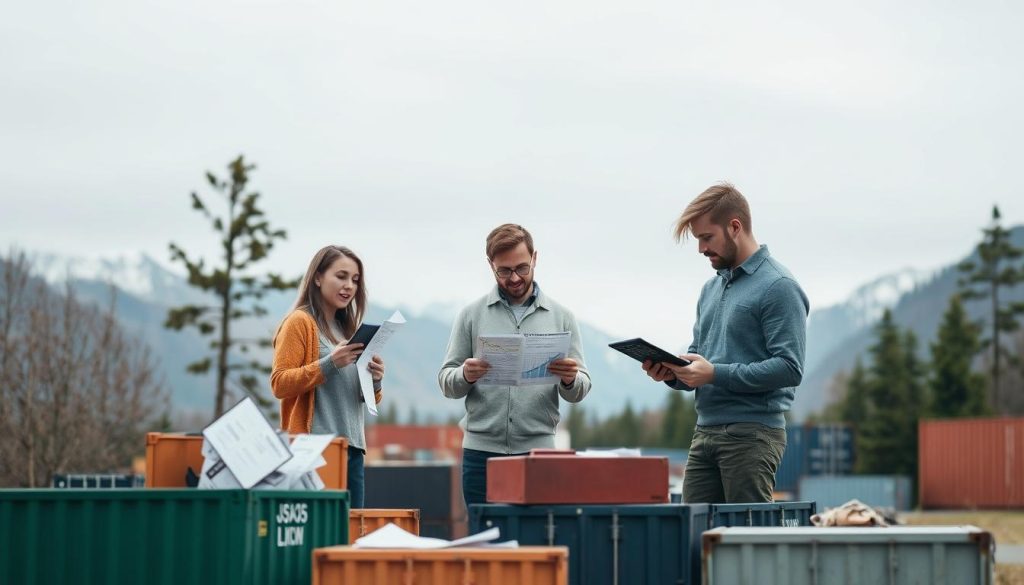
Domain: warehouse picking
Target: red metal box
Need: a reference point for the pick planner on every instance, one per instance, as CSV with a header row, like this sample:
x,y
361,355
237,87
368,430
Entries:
x,y
546,477
971,463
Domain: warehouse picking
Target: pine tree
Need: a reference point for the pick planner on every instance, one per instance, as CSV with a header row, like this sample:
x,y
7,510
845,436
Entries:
x,y
956,389
888,436
984,279
855,406
628,428
246,238
679,421
576,425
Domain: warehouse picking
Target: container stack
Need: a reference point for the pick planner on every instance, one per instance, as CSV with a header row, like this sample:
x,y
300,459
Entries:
x,y
612,515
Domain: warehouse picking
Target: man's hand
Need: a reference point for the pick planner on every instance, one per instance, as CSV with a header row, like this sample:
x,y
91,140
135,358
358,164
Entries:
x,y
565,369
473,369
699,372
658,372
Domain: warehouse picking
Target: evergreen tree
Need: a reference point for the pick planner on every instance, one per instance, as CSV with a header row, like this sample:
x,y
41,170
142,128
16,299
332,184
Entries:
x,y
956,389
628,430
679,421
246,238
855,407
888,435
995,270
576,426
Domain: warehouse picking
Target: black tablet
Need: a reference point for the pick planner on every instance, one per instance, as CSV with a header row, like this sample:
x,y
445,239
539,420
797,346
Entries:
x,y
642,351
364,334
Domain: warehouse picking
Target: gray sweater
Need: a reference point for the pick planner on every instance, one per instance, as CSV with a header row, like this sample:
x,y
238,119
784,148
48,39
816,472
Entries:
x,y
509,419
752,326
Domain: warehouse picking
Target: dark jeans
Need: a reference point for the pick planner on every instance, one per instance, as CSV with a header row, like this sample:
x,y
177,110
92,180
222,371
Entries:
x,y
356,477
474,475
733,463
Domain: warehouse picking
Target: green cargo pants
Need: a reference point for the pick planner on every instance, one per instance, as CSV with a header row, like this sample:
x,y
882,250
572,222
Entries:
x,y
733,463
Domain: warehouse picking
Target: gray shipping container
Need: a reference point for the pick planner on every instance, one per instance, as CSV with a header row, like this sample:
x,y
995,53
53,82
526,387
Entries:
x,y
879,491
898,555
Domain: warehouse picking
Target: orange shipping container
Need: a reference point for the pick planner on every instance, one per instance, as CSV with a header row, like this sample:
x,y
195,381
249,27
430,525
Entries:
x,y
528,565
415,436
364,521
971,463
169,455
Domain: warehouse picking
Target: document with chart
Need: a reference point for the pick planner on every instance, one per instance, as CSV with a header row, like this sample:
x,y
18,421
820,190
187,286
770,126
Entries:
x,y
521,360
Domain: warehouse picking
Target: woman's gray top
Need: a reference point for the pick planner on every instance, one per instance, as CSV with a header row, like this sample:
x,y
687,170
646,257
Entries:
x,y
337,406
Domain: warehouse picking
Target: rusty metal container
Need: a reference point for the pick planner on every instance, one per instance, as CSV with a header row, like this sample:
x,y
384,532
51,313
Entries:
x,y
364,521
528,565
559,477
971,463
169,455
896,555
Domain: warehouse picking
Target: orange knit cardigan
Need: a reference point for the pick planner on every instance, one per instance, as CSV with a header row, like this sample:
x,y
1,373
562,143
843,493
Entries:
x,y
296,372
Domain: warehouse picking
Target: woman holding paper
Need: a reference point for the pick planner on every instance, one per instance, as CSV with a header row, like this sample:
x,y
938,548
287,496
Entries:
x,y
315,372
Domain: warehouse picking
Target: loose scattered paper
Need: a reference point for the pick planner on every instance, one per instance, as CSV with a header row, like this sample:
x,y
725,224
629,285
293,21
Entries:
x,y
521,359
392,536
242,451
247,444
620,452
375,347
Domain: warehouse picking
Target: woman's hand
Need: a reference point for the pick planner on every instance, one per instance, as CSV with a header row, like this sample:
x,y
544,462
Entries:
x,y
343,355
376,367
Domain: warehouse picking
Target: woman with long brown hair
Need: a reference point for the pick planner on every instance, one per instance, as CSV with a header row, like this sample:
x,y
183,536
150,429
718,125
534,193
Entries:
x,y
314,374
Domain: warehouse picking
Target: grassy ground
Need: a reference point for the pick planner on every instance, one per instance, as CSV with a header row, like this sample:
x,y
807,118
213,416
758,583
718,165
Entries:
x,y
1006,526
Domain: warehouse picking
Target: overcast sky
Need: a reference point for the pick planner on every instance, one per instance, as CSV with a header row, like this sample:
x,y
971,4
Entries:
x,y
868,137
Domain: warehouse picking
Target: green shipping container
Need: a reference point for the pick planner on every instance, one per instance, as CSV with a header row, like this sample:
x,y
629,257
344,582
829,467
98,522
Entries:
x,y
166,536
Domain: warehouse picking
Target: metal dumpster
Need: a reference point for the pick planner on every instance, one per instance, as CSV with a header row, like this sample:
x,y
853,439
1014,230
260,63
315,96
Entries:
x,y
899,555
788,514
166,536
608,545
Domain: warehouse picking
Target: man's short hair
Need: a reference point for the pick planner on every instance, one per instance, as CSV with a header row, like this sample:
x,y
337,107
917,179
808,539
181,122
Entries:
x,y
721,203
506,237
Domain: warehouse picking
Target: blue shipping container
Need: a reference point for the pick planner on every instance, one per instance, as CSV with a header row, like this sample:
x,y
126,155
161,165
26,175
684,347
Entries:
x,y
782,514
608,545
787,477
829,450
879,491
825,449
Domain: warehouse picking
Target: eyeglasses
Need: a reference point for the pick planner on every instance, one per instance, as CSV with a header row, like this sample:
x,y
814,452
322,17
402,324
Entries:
x,y
521,270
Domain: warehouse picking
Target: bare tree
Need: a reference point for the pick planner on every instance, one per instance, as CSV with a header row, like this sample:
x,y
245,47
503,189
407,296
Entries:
x,y
78,392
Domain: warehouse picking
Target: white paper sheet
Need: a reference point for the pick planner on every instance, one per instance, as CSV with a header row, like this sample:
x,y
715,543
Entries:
x,y
375,347
521,359
620,452
391,536
246,443
307,455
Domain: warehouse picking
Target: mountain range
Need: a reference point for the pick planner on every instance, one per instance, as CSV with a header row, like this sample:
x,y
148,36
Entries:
x,y
836,334
145,289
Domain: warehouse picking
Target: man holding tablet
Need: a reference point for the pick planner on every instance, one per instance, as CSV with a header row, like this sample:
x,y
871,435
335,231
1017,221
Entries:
x,y
747,355
504,420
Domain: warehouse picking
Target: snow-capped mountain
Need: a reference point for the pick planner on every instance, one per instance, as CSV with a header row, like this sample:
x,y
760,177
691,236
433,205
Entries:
x,y
828,327
132,272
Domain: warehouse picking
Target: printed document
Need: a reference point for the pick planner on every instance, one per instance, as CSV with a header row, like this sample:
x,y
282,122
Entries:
x,y
375,347
521,359
247,444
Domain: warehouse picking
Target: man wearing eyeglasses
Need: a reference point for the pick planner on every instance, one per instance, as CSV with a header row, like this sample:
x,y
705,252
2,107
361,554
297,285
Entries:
x,y
507,420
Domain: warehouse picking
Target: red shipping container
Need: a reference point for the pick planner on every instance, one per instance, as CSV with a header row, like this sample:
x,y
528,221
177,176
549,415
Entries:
x,y
971,463
562,477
